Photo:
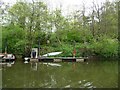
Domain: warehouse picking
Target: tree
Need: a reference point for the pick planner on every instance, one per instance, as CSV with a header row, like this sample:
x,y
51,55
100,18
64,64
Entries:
x,y
13,39
32,18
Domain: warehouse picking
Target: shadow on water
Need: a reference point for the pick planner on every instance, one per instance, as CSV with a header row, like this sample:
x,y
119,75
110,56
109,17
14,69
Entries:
x,y
89,74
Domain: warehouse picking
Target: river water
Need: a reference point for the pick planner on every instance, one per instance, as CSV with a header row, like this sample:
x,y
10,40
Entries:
x,y
89,74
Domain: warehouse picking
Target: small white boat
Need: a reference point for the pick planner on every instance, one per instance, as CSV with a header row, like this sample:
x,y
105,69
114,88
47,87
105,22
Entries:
x,y
52,54
1,55
8,58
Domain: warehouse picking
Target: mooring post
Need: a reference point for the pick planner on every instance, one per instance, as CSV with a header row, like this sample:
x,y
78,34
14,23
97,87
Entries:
x,y
39,47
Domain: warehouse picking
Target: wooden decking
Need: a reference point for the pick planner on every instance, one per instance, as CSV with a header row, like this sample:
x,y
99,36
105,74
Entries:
x,y
58,59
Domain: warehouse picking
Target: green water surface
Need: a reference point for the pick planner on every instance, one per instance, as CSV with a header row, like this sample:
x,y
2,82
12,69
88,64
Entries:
x,y
92,74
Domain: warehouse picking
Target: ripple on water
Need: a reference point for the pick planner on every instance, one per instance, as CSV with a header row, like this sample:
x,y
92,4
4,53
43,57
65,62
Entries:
x,y
68,86
79,82
85,84
88,84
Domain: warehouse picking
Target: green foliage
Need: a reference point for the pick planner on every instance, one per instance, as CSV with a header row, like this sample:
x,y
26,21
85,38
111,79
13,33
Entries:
x,y
13,36
46,49
66,49
106,47
0,40
74,35
28,23
19,47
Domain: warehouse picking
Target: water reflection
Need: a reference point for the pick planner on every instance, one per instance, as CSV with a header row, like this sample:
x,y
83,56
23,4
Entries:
x,y
61,75
34,66
52,64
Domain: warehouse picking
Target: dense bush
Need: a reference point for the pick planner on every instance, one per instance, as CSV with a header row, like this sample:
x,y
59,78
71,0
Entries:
x,y
106,47
13,38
